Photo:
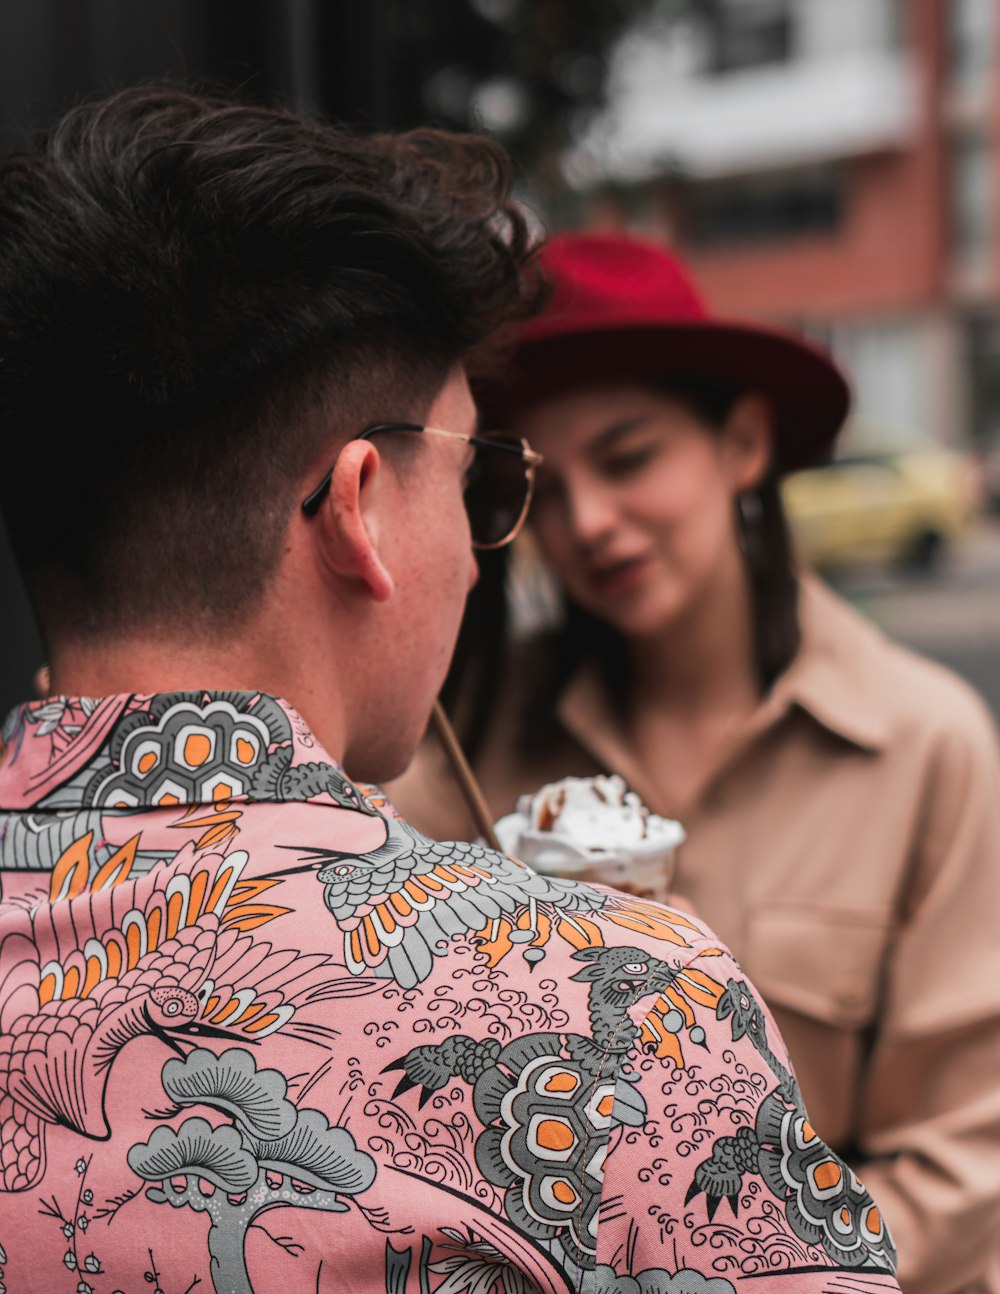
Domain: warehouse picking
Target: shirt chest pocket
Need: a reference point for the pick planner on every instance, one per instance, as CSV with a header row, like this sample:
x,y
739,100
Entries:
x,y
825,963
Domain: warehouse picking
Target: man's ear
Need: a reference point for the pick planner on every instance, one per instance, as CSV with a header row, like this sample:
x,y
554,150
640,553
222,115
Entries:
x,y
748,442
349,520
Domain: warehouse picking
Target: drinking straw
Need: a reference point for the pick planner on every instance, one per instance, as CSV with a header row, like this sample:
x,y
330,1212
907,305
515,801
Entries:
x,y
464,775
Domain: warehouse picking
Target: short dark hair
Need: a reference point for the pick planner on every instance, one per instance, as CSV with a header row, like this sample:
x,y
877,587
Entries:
x,y
196,297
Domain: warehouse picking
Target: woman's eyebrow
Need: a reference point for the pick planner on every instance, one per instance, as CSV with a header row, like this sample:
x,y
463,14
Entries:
x,y
610,436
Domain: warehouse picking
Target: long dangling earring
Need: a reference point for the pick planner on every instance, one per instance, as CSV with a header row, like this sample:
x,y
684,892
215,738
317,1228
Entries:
x,y
750,511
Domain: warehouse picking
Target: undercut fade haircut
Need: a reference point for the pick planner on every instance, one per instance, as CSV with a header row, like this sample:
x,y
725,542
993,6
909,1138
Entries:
x,y
197,297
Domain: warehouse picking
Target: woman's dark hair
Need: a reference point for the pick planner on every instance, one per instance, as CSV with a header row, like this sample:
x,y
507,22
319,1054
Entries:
x,y
475,683
197,296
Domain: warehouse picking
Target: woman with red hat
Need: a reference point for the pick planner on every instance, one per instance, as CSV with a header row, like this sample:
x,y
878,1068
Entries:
x,y
841,796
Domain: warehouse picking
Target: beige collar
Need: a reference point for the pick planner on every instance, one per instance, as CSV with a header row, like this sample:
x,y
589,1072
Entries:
x,y
837,675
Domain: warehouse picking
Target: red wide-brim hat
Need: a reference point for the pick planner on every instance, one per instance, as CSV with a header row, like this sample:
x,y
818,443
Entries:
x,y
624,310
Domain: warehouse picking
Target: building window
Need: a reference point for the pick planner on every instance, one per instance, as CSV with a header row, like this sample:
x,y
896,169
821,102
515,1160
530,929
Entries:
x,y
709,37
971,198
747,33
972,38
761,209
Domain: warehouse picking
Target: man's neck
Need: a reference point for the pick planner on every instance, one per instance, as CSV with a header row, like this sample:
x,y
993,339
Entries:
x,y
144,665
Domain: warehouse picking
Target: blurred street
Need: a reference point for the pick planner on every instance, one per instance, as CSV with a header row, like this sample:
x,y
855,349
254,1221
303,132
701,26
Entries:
x,y
952,614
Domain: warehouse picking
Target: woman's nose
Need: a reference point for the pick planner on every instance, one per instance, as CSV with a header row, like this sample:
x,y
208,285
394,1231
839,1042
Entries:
x,y
592,514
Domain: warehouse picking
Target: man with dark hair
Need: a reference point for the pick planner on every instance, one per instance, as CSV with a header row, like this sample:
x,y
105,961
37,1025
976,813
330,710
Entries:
x,y
256,1033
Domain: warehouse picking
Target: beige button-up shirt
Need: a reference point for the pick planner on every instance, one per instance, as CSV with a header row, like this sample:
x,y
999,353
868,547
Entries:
x,y
848,850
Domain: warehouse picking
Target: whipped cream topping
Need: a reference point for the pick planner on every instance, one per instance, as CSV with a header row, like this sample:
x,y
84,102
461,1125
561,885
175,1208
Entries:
x,y
592,814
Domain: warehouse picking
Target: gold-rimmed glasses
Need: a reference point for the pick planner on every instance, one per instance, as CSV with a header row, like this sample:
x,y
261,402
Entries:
x,y
498,483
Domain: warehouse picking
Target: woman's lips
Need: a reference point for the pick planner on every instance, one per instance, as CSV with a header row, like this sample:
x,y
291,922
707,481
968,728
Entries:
x,y
620,576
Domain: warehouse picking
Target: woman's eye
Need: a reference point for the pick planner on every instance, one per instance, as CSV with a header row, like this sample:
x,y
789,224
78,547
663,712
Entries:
x,y
628,461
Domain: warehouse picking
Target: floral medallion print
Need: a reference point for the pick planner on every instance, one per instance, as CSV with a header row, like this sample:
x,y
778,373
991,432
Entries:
x,y
256,1033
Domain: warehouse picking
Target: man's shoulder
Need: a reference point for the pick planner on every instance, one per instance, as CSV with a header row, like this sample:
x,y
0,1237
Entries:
x,y
498,1036
403,902
613,1031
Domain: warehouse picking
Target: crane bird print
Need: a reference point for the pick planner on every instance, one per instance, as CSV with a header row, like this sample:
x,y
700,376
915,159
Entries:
x,y
166,956
399,905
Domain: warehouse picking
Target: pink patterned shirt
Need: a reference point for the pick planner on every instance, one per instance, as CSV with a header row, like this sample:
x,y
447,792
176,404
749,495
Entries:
x,y
258,1034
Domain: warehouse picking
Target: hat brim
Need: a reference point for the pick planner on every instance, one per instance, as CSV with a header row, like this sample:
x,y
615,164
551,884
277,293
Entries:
x,y
809,394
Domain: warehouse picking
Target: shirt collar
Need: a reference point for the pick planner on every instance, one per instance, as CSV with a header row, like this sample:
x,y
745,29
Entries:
x,y
834,678
130,752
837,675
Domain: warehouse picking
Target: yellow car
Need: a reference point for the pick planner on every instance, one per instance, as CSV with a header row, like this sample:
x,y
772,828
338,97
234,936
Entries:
x,y
902,507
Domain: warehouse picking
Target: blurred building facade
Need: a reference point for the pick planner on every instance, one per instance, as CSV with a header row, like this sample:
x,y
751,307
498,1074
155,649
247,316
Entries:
x,y
827,165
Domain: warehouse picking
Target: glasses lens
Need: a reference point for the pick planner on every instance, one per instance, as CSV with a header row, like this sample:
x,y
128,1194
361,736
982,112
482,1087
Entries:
x,y
496,489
